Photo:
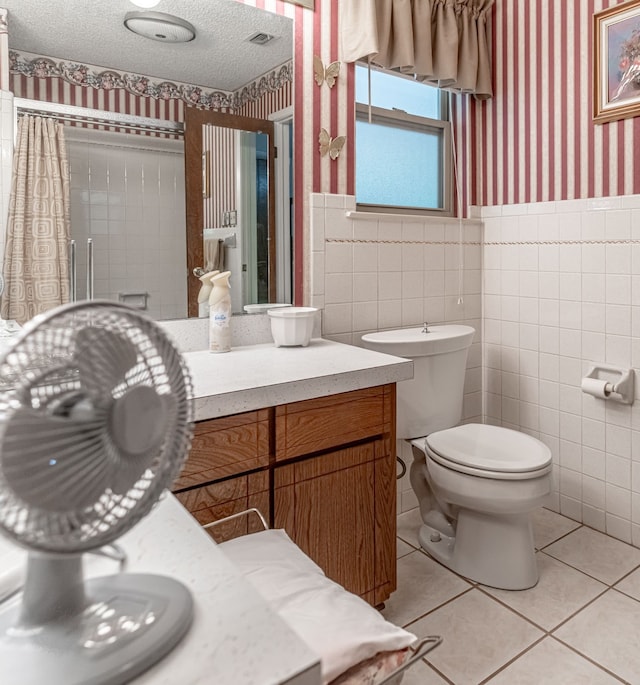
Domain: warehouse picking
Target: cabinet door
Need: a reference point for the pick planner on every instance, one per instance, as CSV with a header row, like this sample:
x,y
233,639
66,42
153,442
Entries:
x,y
327,506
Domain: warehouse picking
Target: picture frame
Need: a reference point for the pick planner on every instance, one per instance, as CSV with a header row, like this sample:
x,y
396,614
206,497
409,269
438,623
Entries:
x,y
616,62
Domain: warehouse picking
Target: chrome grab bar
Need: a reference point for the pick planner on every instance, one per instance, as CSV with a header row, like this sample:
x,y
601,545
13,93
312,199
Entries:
x,y
73,294
89,269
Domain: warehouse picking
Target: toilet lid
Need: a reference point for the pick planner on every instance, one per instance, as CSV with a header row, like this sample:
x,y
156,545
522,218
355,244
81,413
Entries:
x,y
489,448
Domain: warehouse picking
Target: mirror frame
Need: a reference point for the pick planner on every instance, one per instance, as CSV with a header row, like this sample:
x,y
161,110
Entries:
x,y
194,120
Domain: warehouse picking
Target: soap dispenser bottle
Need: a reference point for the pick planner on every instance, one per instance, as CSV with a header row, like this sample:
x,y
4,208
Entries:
x,y
220,314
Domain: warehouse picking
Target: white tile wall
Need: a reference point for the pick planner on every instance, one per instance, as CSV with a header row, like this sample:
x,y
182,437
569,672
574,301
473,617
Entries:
x,y
571,303
127,193
372,273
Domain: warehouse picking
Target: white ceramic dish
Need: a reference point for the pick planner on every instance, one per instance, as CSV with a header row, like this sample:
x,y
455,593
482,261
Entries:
x,y
292,326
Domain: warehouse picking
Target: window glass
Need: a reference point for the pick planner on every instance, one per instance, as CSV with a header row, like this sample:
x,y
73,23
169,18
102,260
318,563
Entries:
x,y
393,91
403,145
398,166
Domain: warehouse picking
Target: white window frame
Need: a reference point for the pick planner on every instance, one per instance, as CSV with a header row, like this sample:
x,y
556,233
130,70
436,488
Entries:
x,y
401,119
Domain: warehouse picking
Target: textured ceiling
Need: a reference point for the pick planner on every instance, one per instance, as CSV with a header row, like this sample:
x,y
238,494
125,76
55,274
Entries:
x,y
92,32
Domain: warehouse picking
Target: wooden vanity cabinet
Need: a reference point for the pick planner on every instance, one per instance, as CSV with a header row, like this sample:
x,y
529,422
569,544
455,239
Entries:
x,y
328,479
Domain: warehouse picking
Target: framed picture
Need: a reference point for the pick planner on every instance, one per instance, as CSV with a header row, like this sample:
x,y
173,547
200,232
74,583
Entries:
x,y
616,62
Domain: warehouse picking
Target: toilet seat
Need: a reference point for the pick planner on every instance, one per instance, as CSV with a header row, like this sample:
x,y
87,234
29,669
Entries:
x,y
489,452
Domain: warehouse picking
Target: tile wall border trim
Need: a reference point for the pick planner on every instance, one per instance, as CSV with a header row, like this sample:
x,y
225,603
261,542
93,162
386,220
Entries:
x,y
490,243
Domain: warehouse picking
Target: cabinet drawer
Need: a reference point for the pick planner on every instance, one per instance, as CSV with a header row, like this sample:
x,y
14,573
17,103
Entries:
x,y
212,502
320,424
217,493
226,446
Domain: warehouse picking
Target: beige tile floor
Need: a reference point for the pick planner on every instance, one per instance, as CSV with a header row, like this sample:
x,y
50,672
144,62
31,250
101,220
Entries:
x,y
580,625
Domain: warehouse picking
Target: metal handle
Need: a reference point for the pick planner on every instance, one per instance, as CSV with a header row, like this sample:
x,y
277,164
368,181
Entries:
x,y
423,648
246,512
73,294
89,269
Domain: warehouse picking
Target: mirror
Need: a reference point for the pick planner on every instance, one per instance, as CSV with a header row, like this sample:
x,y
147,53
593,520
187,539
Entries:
x,y
221,58
230,165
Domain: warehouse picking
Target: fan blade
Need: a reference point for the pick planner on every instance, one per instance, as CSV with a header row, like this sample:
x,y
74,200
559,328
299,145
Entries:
x,y
53,463
139,422
103,359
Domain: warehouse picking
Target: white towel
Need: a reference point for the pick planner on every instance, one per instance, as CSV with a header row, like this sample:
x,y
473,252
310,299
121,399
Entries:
x,y
213,254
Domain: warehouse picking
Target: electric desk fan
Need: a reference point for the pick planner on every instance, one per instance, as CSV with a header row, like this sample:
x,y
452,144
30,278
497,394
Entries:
x,y
95,422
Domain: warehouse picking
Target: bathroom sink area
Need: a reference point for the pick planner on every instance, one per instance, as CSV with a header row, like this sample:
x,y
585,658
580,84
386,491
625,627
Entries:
x,y
252,377
420,342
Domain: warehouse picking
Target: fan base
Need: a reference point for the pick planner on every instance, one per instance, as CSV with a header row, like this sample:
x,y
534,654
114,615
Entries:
x,y
130,622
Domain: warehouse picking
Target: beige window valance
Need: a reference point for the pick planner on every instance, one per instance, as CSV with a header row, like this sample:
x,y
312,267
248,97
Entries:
x,y
443,42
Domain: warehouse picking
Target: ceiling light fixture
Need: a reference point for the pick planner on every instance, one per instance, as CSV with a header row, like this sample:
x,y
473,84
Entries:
x,y
160,26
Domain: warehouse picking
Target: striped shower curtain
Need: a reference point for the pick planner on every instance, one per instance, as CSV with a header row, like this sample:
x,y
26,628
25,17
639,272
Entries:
x,y
36,258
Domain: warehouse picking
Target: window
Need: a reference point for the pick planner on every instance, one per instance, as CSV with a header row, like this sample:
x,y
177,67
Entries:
x,y
403,157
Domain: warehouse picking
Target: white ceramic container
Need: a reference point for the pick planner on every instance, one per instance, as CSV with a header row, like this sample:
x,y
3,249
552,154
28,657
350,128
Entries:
x,y
292,326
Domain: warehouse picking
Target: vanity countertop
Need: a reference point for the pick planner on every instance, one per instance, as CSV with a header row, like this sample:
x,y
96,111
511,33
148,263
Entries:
x,y
258,376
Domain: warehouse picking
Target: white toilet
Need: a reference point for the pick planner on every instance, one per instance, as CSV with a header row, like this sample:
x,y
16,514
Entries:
x,y
476,484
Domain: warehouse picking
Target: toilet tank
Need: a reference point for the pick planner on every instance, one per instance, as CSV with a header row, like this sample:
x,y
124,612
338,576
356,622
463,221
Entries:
x,y
432,399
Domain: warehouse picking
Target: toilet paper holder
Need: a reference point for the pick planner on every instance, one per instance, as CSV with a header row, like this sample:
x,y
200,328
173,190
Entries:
x,y
610,382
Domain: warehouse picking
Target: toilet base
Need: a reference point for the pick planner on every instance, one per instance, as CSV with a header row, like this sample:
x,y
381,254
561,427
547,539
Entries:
x,y
492,550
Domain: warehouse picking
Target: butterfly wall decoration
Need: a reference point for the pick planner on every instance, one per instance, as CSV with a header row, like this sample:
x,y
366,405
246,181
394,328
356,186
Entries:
x,y
330,145
327,74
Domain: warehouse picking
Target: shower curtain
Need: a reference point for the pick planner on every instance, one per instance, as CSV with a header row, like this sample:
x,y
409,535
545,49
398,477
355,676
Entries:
x,y
36,258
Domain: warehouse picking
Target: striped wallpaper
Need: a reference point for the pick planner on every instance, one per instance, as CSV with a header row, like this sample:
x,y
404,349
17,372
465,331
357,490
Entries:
x,y
117,100
270,102
220,144
535,140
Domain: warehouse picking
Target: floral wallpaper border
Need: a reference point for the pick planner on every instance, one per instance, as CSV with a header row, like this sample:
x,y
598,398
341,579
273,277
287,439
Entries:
x,y
109,79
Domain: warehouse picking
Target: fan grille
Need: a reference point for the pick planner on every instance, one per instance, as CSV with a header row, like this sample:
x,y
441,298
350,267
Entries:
x,y
66,481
